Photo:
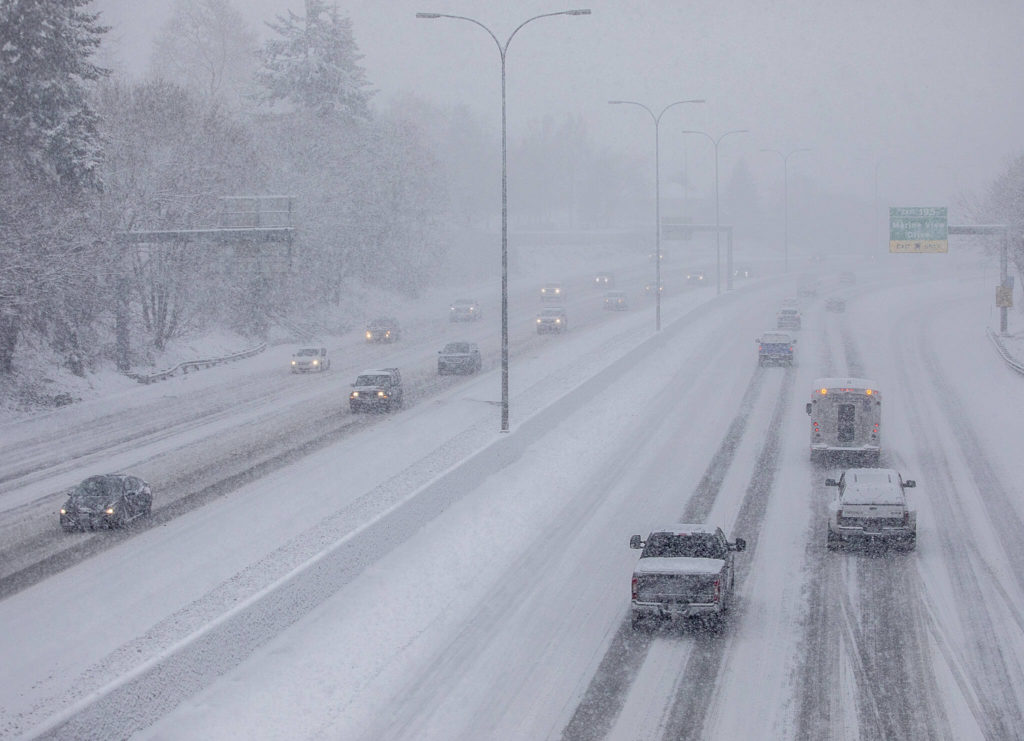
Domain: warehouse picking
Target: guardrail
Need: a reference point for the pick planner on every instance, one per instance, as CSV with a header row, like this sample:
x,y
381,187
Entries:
x,y
1004,353
194,365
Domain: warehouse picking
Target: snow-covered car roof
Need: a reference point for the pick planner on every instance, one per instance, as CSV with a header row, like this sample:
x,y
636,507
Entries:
x,y
835,382
872,486
686,528
678,565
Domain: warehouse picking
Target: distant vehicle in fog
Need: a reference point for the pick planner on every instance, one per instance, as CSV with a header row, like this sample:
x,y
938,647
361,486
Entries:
x,y
697,277
616,301
106,501
310,360
846,414
383,329
835,304
464,310
604,280
458,357
788,318
775,348
552,319
552,292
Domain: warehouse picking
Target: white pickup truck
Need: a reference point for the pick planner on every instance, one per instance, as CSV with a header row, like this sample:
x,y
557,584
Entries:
x,y
871,506
684,571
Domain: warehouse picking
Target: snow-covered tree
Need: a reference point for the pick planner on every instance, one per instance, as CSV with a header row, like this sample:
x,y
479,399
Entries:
x,y
1005,205
50,154
313,65
207,47
47,127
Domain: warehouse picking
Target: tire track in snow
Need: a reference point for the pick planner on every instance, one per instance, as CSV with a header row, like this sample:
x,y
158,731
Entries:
x,y
884,649
991,682
699,682
606,695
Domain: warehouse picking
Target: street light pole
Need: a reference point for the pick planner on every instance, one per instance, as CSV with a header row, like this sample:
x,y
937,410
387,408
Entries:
x,y
785,202
502,51
657,196
718,226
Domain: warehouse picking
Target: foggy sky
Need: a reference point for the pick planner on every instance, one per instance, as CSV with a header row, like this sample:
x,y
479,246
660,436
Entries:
x,y
926,94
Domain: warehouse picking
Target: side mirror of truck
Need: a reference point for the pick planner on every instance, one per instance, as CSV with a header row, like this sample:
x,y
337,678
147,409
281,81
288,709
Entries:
x,y
636,542
808,407
831,482
909,484
740,544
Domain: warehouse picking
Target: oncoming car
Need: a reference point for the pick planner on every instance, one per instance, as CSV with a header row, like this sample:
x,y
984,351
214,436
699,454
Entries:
x,y
106,501
552,292
552,319
376,390
382,329
310,360
604,280
464,310
616,301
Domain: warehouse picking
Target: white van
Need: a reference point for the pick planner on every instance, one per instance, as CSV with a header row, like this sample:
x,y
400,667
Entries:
x,y
845,417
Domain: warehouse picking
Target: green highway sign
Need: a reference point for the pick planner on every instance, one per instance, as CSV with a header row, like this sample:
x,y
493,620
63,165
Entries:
x,y
918,229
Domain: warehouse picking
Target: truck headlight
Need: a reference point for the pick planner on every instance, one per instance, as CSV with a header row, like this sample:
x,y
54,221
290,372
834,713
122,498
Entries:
x,y
354,395
109,510
369,335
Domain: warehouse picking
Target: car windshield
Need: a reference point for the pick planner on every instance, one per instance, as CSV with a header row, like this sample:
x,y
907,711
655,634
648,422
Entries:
x,y
307,351
694,545
456,347
382,322
551,312
97,488
788,311
464,302
374,380
775,339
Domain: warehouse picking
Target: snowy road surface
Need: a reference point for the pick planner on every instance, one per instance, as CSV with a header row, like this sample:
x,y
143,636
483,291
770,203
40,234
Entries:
x,y
421,576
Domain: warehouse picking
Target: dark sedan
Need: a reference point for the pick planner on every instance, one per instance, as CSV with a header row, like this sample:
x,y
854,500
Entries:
x,y
110,500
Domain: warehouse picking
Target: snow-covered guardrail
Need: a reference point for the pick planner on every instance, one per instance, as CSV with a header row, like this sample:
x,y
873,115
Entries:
x,y
193,365
1004,353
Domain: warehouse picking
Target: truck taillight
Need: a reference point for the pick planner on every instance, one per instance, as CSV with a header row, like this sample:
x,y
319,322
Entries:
x,y
839,515
636,594
718,589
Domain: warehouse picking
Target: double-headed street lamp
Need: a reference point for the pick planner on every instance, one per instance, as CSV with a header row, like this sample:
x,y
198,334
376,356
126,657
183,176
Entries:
x,y
785,201
657,197
502,51
718,227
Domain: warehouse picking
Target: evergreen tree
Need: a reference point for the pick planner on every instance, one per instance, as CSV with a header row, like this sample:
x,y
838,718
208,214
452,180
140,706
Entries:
x,y
314,65
47,128
50,153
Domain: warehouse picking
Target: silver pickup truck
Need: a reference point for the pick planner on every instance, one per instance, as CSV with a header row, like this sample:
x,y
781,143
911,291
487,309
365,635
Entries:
x,y
871,507
684,571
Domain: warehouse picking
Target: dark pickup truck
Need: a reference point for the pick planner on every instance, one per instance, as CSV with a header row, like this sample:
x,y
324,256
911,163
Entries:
x,y
684,571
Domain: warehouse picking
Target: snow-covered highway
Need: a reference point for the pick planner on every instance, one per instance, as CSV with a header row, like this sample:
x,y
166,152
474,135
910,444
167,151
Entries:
x,y
423,576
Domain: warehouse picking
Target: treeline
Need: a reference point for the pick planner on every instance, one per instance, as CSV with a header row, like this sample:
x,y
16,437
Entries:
x,y
86,155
